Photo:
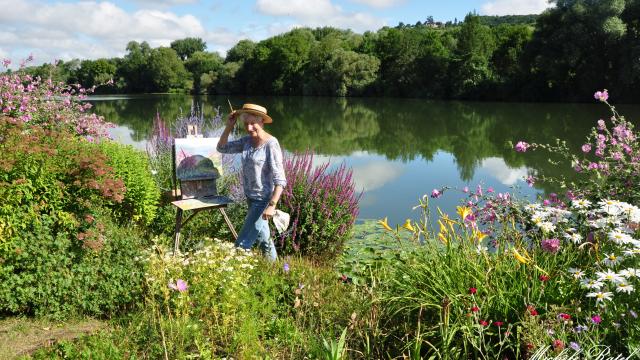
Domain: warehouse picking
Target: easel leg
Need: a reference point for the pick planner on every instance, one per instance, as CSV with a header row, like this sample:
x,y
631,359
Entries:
x,y
229,224
178,227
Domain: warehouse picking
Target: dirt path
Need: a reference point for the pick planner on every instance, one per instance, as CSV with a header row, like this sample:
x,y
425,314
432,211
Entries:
x,y
23,336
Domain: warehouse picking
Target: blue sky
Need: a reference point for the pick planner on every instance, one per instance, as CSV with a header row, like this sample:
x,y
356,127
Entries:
x,y
66,29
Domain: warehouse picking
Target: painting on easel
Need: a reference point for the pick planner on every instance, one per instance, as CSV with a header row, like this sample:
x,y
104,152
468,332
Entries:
x,y
197,159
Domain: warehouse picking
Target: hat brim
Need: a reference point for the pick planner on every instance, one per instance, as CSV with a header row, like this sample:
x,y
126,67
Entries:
x,y
265,118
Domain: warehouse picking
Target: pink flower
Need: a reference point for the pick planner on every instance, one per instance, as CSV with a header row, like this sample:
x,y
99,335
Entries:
x,y
586,148
617,156
596,319
551,245
544,278
436,193
473,290
483,323
564,316
6,62
465,189
601,125
601,95
521,146
180,285
498,323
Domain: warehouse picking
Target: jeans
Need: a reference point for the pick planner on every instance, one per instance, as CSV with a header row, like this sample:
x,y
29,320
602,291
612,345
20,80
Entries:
x,y
256,229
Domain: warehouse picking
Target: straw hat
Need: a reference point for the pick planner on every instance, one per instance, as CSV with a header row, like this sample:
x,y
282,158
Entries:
x,y
256,110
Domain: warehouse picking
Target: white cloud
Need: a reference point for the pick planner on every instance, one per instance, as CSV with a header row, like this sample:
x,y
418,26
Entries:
x,y
375,174
380,3
90,29
166,2
502,172
514,7
319,13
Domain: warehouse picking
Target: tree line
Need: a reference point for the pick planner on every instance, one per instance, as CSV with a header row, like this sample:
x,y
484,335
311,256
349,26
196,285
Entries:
x,y
563,54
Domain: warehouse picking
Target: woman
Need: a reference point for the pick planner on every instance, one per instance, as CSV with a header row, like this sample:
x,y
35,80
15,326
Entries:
x,y
262,175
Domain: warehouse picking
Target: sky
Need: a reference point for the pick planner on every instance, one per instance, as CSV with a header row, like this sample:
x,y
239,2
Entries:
x,y
66,29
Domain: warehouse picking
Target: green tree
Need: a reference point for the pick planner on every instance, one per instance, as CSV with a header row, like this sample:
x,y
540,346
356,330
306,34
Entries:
x,y
202,63
134,68
471,70
95,72
242,51
224,81
188,46
578,46
166,71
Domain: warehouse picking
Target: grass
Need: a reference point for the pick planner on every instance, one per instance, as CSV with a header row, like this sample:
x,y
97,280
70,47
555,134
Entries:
x,y
21,336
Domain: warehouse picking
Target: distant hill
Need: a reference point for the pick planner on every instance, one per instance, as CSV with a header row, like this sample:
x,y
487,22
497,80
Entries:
x,y
508,19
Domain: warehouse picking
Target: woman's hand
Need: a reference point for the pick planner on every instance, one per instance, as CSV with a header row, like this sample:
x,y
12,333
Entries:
x,y
231,119
269,212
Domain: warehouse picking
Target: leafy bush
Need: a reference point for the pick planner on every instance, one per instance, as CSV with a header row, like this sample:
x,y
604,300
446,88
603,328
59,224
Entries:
x,y
323,206
55,273
48,172
60,254
142,194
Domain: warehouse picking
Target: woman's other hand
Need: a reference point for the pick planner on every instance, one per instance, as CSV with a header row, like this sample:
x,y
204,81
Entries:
x,y
269,212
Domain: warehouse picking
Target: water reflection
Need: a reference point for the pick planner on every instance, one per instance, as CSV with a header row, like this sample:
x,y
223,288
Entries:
x,y
399,148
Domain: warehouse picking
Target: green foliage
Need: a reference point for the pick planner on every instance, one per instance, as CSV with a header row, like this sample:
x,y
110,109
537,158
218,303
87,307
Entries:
x,y
60,254
200,64
187,47
95,72
50,272
142,194
166,71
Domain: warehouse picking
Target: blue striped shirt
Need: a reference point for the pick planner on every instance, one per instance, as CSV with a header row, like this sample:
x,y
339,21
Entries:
x,y
262,167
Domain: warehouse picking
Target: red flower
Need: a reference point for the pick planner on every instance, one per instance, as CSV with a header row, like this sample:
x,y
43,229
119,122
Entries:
x,y
483,323
473,290
558,344
498,323
543,278
564,316
475,309
532,310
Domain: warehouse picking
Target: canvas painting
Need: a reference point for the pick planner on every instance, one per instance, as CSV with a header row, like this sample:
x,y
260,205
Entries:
x,y
197,159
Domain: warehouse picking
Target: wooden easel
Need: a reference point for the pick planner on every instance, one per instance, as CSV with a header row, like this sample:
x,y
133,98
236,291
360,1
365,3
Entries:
x,y
196,193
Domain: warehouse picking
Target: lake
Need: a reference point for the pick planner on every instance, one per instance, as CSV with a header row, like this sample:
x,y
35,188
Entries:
x,y
399,149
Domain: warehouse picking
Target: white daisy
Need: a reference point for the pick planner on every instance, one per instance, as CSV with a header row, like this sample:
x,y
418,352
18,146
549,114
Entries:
x,y
575,238
609,276
619,237
611,207
546,226
635,251
532,207
600,296
591,284
580,203
624,287
612,259
630,272
577,273
538,217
